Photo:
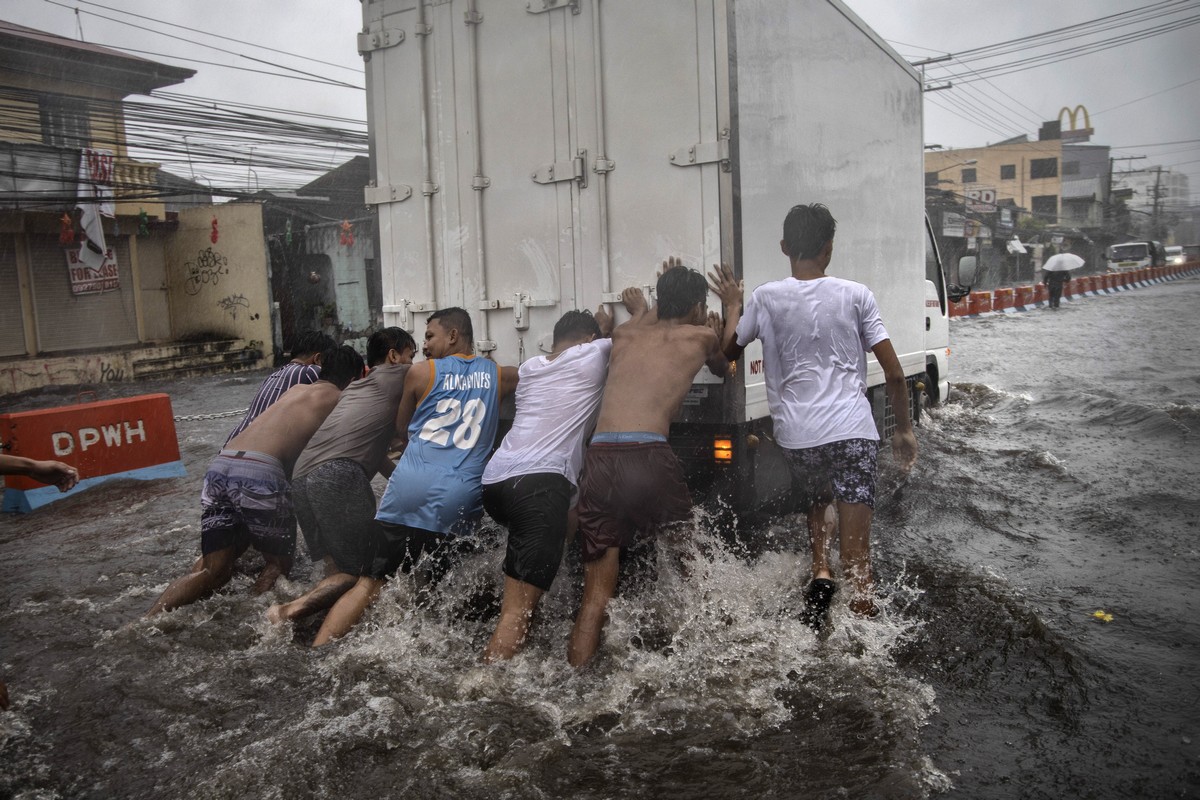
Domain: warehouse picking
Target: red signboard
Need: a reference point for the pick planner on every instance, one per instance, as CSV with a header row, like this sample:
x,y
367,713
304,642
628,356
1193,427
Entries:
x,y
130,438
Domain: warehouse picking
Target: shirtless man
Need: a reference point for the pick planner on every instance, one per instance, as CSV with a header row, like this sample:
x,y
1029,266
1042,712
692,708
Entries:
x,y
449,413
331,484
632,482
246,496
529,485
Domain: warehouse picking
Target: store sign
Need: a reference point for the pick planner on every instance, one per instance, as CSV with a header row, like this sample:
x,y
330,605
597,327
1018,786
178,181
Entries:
x,y
953,225
981,201
93,280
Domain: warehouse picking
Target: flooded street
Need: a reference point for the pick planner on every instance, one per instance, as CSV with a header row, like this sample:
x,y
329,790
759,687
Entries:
x,y
1060,480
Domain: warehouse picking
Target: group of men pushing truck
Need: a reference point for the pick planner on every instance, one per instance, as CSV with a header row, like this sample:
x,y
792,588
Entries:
x,y
588,443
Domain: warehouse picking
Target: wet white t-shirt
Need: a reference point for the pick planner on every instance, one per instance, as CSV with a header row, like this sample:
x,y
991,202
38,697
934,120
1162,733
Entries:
x,y
557,404
815,335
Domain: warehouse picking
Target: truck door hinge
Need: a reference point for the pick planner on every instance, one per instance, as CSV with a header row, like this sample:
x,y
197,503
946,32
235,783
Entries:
x,y
407,309
378,37
378,195
603,165
520,305
648,289
573,170
704,153
542,6
472,18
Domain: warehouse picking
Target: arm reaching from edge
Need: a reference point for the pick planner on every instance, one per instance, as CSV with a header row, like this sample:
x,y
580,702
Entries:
x,y
54,473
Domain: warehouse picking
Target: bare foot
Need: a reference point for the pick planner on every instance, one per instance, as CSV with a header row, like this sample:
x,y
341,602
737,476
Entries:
x,y
277,614
863,605
266,579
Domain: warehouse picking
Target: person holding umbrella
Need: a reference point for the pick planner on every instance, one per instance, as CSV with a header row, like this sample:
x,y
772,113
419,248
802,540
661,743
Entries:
x,y
1055,273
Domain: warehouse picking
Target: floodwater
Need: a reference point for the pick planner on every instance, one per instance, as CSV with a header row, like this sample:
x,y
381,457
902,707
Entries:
x,y
1060,480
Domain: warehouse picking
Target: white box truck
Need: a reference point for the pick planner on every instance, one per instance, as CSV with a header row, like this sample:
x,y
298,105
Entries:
x,y
535,156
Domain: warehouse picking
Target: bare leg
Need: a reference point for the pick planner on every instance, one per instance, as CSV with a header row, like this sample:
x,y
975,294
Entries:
x,y
348,610
516,610
855,536
822,519
276,567
208,574
599,584
322,596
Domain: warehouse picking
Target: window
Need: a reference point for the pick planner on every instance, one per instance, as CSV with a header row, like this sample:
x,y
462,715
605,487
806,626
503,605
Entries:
x,y
1008,172
931,179
968,175
1043,168
64,121
1070,168
1045,207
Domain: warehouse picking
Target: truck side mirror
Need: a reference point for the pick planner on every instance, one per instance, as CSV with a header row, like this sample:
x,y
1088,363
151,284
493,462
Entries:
x,y
966,279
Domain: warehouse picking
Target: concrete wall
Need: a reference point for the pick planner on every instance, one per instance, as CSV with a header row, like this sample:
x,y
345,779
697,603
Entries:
x,y
220,288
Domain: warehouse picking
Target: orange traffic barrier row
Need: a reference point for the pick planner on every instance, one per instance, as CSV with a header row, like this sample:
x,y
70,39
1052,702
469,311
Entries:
x,y
1012,298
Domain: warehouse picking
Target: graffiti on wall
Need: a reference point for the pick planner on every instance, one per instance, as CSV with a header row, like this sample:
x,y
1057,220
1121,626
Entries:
x,y
207,268
235,303
111,372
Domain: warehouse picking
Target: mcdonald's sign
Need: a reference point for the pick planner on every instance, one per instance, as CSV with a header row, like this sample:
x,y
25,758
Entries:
x,y
1072,114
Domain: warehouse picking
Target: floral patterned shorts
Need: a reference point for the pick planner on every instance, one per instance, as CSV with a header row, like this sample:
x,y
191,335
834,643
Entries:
x,y
847,468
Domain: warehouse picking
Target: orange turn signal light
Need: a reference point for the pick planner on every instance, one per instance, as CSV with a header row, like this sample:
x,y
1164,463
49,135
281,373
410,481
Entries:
x,y
722,450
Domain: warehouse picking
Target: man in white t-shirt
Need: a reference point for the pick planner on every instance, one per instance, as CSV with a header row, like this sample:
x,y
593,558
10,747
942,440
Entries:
x,y
816,331
529,486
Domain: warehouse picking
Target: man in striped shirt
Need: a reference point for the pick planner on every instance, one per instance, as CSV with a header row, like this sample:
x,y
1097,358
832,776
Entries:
x,y
305,367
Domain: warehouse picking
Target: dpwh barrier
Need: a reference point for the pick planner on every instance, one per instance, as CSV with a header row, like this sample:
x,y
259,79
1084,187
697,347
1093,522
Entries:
x,y
105,440
1022,298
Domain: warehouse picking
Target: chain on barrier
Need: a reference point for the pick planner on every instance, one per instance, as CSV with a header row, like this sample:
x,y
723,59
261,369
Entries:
x,y
215,415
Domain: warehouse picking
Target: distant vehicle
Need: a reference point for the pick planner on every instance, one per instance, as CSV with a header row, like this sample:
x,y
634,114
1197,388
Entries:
x,y
1174,254
1135,255
1191,252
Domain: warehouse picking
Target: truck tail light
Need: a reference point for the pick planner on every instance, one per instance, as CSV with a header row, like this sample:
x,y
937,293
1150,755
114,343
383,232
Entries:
x,y
722,450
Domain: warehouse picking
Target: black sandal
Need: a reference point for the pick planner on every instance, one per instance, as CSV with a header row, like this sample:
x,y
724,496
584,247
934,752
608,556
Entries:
x,y
816,602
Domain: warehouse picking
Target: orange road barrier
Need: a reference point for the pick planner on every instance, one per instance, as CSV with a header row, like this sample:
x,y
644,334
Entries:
x,y
1041,293
959,308
980,302
1002,299
1023,296
106,440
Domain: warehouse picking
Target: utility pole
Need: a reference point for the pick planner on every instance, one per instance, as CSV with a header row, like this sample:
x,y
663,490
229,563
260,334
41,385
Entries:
x,y
1108,204
1154,230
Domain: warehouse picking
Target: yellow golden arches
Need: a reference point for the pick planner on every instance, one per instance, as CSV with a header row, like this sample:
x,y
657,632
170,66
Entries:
x,y
1071,115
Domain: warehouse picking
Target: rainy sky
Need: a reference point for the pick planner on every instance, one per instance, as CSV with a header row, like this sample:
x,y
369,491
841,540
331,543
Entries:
x,y
1140,82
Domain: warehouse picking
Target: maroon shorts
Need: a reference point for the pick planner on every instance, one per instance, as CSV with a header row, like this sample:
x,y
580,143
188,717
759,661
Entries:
x,y
628,489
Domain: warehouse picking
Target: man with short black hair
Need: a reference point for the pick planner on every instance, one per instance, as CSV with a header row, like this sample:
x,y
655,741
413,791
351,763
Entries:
x,y
816,330
632,482
331,485
246,499
529,485
449,411
304,368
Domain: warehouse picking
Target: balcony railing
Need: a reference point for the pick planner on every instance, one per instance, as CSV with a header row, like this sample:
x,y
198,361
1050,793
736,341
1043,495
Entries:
x,y
37,177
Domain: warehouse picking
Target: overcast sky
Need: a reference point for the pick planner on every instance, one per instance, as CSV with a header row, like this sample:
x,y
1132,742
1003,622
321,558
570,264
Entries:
x,y
1128,89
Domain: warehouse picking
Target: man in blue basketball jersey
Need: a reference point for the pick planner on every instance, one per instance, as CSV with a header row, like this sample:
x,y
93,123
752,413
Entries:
x,y
449,411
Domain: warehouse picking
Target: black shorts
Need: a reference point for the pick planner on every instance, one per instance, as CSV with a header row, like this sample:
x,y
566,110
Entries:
x,y
400,548
534,509
335,506
844,468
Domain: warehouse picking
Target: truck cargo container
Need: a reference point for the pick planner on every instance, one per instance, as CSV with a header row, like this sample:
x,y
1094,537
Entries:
x,y
537,156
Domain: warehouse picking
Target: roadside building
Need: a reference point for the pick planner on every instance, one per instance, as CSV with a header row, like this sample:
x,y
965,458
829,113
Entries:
x,y
99,280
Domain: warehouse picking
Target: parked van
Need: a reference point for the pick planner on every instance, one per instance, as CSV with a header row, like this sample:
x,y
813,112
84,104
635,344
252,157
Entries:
x,y
1174,254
